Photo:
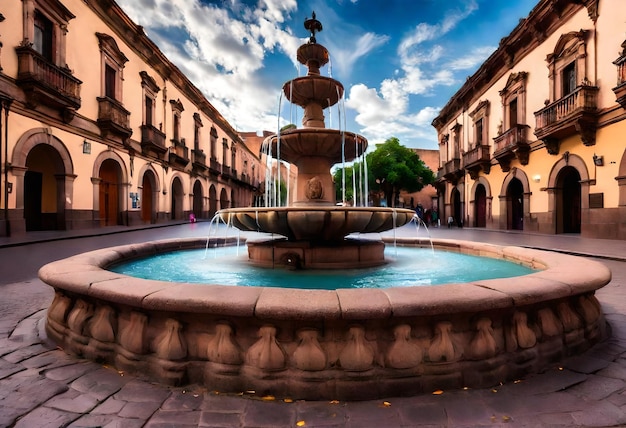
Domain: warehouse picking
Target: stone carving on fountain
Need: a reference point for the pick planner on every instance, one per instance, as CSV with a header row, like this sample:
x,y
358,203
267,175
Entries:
x,y
314,227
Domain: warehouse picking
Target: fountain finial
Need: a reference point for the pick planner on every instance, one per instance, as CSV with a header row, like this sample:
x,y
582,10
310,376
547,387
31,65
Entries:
x,y
313,25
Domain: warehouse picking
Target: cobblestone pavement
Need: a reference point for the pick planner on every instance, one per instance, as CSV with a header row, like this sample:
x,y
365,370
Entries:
x,y
41,386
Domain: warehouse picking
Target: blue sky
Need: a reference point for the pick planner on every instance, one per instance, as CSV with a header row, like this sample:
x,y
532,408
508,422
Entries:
x,y
398,60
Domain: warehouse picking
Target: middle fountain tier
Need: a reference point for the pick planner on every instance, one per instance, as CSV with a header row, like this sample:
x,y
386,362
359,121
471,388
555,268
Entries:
x,y
313,229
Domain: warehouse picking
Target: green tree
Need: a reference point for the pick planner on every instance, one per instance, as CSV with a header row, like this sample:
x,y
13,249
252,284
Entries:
x,y
391,168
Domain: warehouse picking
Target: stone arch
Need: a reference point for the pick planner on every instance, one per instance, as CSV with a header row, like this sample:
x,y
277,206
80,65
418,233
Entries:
x,y
111,190
197,205
177,210
556,191
212,200
33,137
223,199
62,182
509,207
457,204
149,193
479,203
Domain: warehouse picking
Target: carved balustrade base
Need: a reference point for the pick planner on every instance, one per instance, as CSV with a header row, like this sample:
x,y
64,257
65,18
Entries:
x,y
336,344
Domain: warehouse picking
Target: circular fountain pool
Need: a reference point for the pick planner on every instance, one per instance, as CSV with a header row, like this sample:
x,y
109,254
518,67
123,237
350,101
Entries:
x,y
406,267
328,344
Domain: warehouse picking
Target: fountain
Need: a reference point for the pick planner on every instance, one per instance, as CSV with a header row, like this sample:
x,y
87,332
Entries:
x,y
314,227
325,344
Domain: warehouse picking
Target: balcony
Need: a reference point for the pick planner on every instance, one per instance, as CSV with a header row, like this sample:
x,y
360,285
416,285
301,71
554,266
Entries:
x,y
179,153
573,114
47,84
451,170
226,172
511,144
152,141
215,167
477,159
113,119
198,160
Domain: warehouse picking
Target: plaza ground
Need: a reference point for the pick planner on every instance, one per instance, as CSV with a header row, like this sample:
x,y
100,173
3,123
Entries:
x,y
41,386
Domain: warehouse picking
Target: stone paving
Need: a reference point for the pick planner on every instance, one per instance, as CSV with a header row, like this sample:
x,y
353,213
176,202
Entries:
x,y
41,386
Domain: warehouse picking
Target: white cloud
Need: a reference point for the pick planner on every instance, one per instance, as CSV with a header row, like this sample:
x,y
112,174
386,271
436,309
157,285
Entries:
x,y
387,112
473,59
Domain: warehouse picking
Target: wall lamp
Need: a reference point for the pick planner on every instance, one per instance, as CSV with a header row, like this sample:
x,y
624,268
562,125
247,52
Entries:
x,y
86,147
598,160
536,178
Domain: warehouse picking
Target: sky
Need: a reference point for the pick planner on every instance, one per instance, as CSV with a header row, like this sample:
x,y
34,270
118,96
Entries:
x,y
399,61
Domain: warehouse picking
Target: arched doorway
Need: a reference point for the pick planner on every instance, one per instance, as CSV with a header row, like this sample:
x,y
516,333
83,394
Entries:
x,y
455,199
568,200
515,205
198,208
44,189
480,206
177,199
148,197
223,199
110,175
212,201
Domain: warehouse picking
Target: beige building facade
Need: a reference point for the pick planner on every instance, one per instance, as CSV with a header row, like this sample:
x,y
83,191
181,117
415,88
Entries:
x,y
535,140
99,128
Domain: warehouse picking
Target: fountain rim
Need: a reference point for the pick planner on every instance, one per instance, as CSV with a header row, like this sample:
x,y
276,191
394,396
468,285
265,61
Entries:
x,y
87,274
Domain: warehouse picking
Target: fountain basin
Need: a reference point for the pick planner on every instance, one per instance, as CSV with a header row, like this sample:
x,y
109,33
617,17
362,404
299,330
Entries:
x,y
318,142
316,223
317,344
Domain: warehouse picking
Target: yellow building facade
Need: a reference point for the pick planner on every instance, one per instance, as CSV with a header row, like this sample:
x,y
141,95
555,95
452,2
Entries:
x,y
99,128
535,140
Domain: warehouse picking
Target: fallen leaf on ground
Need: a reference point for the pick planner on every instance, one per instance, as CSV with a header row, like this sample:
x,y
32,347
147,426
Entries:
x,y
438,392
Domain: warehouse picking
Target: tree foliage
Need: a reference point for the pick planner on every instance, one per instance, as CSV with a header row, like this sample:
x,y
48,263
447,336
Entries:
x,y
391,168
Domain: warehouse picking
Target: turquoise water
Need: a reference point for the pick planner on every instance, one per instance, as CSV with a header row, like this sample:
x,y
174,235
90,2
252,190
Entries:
x,y
406,267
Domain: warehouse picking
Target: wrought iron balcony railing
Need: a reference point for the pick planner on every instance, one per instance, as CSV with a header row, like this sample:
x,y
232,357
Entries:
x,y
113,118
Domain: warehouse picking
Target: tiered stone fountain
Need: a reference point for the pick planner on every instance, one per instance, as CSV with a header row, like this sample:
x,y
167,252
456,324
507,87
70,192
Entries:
x,y
314,227
325,344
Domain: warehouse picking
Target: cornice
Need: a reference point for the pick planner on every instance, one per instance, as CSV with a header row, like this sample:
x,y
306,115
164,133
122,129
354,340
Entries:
x,y
137,40
545,19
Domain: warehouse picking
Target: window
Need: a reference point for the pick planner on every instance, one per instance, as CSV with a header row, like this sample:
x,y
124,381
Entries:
x,y
113,61
567,64
480,116
225,151
479,132
45,24
110,77
569,79
150,91
213,143
44,37
177,109
514,101
176,127
513,112
149,110
197,124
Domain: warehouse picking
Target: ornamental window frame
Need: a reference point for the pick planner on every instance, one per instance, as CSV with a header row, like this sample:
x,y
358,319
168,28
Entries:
x,y
570,53
514,94
149,89
480,119
58,16
112,61
177,111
